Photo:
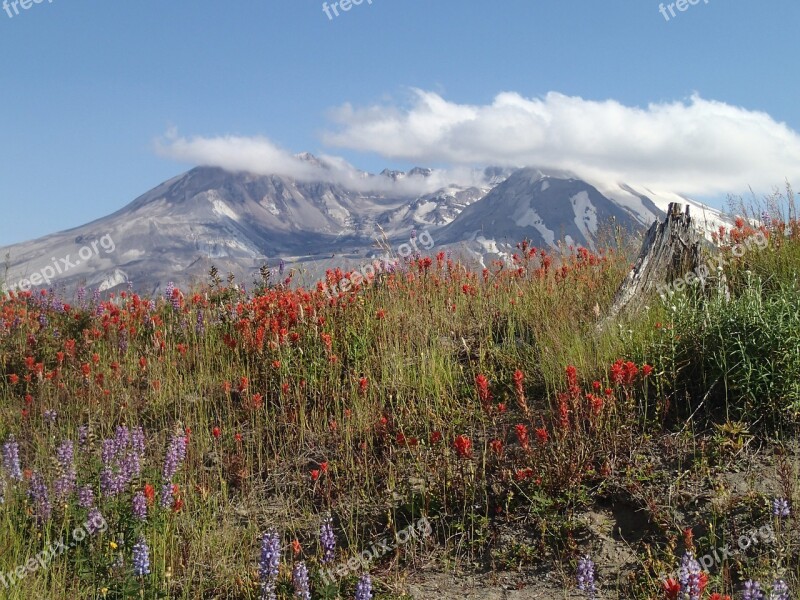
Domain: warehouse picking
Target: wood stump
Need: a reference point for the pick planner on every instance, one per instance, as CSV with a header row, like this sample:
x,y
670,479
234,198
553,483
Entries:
x,y
670,252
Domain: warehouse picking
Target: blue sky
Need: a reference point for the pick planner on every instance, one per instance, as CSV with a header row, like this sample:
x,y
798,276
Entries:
x,y
102,100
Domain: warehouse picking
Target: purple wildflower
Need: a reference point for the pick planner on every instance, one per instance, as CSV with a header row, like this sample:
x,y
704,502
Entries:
x,y
300,581
780,591
364,588
199,326
167,498
176,453
83,435
65,484
50,416
586,576
689,577
141,558
40,497
108,452
780,508
95,521
269,563
11,458
108,482
139,506
753,591
168,291
327,541
86,497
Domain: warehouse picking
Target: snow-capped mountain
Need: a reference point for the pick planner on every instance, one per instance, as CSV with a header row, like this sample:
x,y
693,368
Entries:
x,y
238,221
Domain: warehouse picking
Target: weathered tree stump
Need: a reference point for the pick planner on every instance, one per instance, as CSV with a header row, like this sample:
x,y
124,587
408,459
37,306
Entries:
x,y
670,255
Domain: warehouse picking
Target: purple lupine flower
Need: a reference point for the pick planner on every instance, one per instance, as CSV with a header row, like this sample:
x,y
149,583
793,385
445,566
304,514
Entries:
x,y
141,558
168,291
2,491
753,591
364,588
780,591
327,541
199,326
167,498
176,453
780,508
108,452
65,484
281,267
86,497
40,497
95,521
11,458
689,577
300,581
108,482
50,415
81,296
269,563
122,437
42,320
122,340
83,435
139,506
585,577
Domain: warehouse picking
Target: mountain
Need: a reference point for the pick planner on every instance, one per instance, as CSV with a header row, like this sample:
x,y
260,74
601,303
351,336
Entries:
x,y
238,221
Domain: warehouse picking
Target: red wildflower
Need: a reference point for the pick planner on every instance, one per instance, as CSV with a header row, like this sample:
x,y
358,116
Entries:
x,y
541,435
314,474
323,467
572,376
563,411
463,446
483,391
671,589
362,385
13,379
718,596
688,538
523,474
296,547
497,447
522,435
519,390
149,494
646,370
216,432
436,437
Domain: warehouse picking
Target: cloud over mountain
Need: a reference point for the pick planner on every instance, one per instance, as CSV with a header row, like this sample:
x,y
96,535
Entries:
x,y
696,147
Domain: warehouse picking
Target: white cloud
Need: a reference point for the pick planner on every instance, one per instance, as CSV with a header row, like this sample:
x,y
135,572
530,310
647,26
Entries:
x,y
258,155
693,147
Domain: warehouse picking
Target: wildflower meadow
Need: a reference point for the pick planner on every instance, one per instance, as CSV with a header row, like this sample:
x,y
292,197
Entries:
x,y
275,440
